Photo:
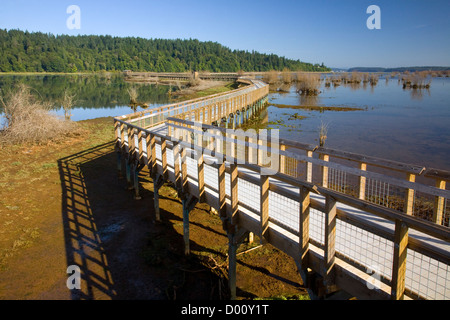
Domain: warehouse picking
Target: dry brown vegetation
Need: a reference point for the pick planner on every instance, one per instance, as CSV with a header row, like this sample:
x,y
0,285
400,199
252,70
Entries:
x,y
308,83
28,120
323,132
271,77
417,80
67,103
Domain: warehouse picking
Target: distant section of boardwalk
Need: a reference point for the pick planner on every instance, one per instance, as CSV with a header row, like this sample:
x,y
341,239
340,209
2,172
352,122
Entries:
x,y
374,228
184,76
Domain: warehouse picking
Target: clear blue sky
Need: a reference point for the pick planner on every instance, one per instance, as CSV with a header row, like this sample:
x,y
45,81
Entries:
x,y
412,32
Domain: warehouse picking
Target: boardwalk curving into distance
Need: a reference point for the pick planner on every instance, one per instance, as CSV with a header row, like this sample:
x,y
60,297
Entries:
x,y
374,228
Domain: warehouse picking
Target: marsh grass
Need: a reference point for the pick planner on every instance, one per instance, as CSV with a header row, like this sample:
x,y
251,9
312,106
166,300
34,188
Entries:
x,y
271,77
417,80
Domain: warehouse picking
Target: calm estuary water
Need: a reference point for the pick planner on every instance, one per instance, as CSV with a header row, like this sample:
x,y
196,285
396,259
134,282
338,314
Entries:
x,y
411,126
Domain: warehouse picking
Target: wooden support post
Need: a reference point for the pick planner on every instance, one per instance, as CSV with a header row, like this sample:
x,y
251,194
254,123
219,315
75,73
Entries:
x,y
234,240
362,182
264,207
439,204
158,182
303,243
136,170
251,237
409,199
232,263
119,163
399,261
329,248
186,226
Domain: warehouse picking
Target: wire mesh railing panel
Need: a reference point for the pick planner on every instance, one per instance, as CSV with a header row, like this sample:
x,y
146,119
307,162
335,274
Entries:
x,y
284,210
211,176
316,226
426,278
249,194
446,213
366,249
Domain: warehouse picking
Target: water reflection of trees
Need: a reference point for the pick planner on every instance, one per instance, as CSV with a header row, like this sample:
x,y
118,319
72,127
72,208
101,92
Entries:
x,y
92,91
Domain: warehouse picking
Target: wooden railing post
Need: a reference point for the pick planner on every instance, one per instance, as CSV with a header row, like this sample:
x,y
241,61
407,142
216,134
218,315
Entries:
x,y
409,198
308,166
303,243
141,150
122,136
399,261
222,191
118,146
184,175
439,203
330,240
234,194
264,207
164,158
153,156
326,158
362,182
201,178
176,167
282,159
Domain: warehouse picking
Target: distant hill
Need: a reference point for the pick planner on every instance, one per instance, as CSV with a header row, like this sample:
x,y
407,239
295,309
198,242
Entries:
x,y
400,69
39,52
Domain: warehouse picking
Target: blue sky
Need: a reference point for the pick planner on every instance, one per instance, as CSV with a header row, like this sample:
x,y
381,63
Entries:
x,y
412,32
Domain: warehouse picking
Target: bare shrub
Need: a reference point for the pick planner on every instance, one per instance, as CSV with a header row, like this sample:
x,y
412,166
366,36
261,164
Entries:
x,y
286,76
308,83
133,93
323,132
193,82
29,121
67,103
417,80
271,77
373,79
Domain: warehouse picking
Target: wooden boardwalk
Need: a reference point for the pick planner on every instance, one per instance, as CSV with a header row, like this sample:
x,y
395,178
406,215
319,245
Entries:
x,y
349,239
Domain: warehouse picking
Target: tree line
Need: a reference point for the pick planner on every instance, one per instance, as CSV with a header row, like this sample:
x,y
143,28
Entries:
x,y
41,52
